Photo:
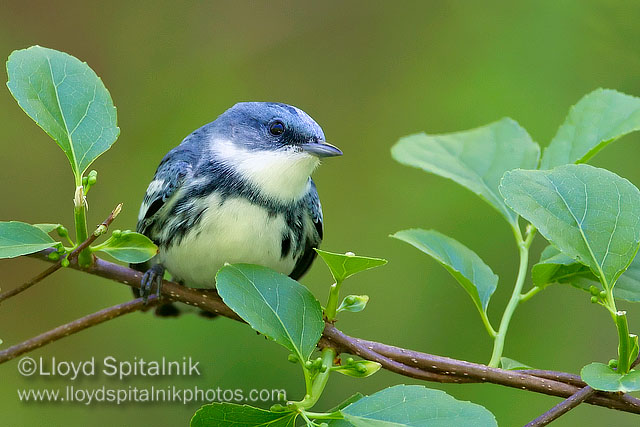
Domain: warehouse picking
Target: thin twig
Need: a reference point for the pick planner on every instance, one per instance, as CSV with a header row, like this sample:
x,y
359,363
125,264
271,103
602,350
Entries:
x,y
73,327
563,407
568,404
26,285
425,366
72,255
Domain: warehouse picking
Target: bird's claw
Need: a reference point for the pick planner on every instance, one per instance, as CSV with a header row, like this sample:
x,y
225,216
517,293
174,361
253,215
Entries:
x,y
152,276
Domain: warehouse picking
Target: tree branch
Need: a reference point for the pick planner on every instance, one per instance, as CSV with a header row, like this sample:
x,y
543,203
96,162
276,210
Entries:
x,y
403,361
568,404
474,372
72,255
73,327
563,407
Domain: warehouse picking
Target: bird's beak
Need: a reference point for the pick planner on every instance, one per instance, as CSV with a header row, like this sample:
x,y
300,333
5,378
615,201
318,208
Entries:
x,y
321,149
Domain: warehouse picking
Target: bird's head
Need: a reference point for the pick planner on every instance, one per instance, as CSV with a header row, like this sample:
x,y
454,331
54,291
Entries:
x,y
274,146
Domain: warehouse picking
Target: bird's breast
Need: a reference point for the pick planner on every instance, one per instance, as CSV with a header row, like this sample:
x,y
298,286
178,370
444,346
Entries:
x,y
230,230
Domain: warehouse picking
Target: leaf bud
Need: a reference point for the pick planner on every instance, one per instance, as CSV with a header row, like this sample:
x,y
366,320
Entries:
x,y
62,231
92,178
354,303
64,262
361,369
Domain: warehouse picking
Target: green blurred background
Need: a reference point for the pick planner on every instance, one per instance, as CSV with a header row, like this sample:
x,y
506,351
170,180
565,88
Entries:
x,y
369,73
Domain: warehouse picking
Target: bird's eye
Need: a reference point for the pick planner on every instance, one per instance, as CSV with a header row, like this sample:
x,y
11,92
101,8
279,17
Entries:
x,y
276,128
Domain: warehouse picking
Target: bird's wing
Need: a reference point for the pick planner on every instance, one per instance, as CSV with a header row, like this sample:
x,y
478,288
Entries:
x,y
168,178
313,201
313,240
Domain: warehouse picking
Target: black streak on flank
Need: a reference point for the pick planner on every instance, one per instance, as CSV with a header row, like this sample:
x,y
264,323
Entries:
x,y
286,246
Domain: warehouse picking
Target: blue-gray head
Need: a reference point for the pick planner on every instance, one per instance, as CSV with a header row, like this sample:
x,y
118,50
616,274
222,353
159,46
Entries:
x,y
272,126
274,146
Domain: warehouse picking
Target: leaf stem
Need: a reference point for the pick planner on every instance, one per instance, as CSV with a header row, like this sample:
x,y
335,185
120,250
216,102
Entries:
x,y
523,246
529,294
332,304
324,415
620,319
623,341
487,324
80,217
308,382
328,354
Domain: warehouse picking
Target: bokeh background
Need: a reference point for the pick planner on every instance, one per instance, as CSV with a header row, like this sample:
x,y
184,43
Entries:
x,y
369,73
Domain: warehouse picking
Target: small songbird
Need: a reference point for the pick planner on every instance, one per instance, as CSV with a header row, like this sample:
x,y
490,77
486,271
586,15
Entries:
x,y
238,189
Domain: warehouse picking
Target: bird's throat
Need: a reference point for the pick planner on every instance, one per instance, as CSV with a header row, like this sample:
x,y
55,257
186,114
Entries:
x,y
277,174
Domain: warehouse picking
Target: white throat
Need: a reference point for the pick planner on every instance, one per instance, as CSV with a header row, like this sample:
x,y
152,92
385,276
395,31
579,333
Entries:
x,y
282,175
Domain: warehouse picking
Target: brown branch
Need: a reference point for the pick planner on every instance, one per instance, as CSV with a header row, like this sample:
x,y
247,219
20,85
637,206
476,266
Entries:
x,y
563,377
568,404
475,372
332,337
72,255
405,362
563,407
78,325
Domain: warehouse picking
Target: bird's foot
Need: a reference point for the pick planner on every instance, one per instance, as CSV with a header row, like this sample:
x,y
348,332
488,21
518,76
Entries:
x,y
152,276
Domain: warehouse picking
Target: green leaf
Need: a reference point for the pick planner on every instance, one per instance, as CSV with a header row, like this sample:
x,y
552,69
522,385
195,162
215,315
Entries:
x,y
556,267
598,119
475,159
465,266
413,405
18,238
511,365
67,100
603,377
128,246
274,305
353,398
353,303
590,214
343,266
232,415
358,369
47,228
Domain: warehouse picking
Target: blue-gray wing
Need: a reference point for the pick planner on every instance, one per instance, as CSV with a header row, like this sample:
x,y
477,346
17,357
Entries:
x,y
168,179
313,237
315,207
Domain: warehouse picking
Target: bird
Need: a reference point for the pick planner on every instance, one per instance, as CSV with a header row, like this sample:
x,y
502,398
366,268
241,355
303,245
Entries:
x,y
236,190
